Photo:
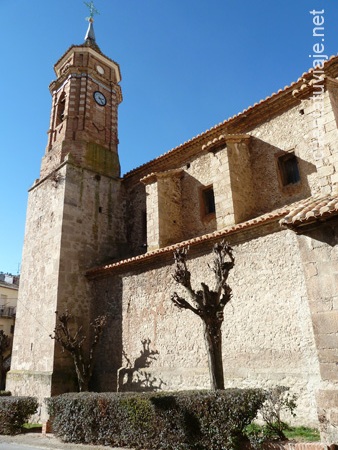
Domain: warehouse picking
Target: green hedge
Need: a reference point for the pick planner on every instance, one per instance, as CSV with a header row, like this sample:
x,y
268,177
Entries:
x,y
177,421
5,393
14,412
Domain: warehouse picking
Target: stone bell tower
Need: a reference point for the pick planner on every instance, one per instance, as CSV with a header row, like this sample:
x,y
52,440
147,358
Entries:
x,y
74,219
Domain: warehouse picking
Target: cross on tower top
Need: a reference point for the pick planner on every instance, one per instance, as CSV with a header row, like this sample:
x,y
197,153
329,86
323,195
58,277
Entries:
x,y
92,11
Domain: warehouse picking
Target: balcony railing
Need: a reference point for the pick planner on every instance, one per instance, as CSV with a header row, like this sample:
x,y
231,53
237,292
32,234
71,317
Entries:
x,y
7,311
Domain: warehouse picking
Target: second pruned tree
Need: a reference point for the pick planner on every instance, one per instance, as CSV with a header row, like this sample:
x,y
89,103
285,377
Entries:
x,y
5,344
72,340
208,304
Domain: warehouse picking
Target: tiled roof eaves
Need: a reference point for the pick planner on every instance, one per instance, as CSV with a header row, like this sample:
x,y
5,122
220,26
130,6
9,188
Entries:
x,y
310,210
150,256
86,46
262,107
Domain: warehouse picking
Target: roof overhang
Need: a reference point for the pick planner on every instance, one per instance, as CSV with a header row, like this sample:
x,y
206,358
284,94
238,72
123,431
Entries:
x,y
98,55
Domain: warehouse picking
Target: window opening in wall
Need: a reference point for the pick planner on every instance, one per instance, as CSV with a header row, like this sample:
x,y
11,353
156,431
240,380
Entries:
x,y
61,109
144,228
288,169
208,201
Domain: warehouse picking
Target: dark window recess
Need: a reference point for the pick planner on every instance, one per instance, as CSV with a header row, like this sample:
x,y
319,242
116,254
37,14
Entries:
x,y
61,109
144,226
288,168
209,201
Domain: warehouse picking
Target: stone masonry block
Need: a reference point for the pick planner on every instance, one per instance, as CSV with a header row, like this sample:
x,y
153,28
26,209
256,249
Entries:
x,y
325,170
311,269
327,398
325,341
326,322
331,126
329,371
329,355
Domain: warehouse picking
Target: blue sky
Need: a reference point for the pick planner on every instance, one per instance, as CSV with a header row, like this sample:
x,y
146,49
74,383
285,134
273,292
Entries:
x,y
186,65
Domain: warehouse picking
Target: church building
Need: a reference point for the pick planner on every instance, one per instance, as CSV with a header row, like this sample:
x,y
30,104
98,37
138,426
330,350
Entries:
x,y
265,180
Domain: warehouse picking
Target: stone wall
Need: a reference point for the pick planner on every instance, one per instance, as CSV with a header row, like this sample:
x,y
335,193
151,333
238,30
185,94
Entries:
x,y
73,223
312,134
33,350
241,187
267,333
318,248
245,176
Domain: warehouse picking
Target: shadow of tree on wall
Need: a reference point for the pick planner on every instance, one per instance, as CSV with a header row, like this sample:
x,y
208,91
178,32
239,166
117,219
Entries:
x,y
133,378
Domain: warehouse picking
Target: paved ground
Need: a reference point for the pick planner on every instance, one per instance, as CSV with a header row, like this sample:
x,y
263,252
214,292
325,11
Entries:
x,y
36,441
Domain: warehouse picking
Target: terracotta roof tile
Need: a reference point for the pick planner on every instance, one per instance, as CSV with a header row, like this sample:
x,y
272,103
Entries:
x,y
311,209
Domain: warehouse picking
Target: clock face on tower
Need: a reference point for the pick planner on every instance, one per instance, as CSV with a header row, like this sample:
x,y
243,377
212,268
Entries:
x,y
100,98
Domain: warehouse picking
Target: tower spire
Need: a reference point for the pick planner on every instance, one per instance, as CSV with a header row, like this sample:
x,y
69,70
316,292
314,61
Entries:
x,y
90,35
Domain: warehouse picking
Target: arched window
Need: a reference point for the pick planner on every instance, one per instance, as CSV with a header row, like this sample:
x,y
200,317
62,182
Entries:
x,y
60,112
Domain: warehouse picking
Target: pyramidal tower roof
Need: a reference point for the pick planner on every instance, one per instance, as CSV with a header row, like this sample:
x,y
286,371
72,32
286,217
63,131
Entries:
x,y
90,35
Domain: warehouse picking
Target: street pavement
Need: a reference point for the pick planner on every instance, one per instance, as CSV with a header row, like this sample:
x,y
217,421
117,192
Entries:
x,y
36,441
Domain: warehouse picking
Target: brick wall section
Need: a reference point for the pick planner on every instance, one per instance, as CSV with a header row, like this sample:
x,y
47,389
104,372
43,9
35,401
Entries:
x,y
83,120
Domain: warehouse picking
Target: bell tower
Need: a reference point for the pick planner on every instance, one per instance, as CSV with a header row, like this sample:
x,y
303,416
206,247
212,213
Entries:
x,y
85,98
74,216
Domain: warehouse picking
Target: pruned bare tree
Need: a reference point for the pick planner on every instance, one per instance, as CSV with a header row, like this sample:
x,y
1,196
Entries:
x,y
208,304
5,344
73,343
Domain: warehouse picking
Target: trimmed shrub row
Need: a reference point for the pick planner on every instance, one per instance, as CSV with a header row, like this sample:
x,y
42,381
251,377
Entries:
x,y
14,412
5,393
177,421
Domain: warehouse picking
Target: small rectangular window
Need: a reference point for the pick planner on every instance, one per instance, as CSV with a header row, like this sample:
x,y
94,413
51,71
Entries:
x,y
208,201
288,169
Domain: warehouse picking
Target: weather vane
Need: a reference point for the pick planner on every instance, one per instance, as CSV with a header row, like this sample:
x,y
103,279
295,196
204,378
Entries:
x,y
92,11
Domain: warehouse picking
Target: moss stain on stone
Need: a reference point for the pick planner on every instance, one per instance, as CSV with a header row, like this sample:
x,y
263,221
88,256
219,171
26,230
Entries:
x,y
102,160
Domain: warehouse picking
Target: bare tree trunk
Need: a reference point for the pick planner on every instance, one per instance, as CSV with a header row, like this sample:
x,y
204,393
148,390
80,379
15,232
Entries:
x,y
213,342
208,304
83,380
1,369
73,342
